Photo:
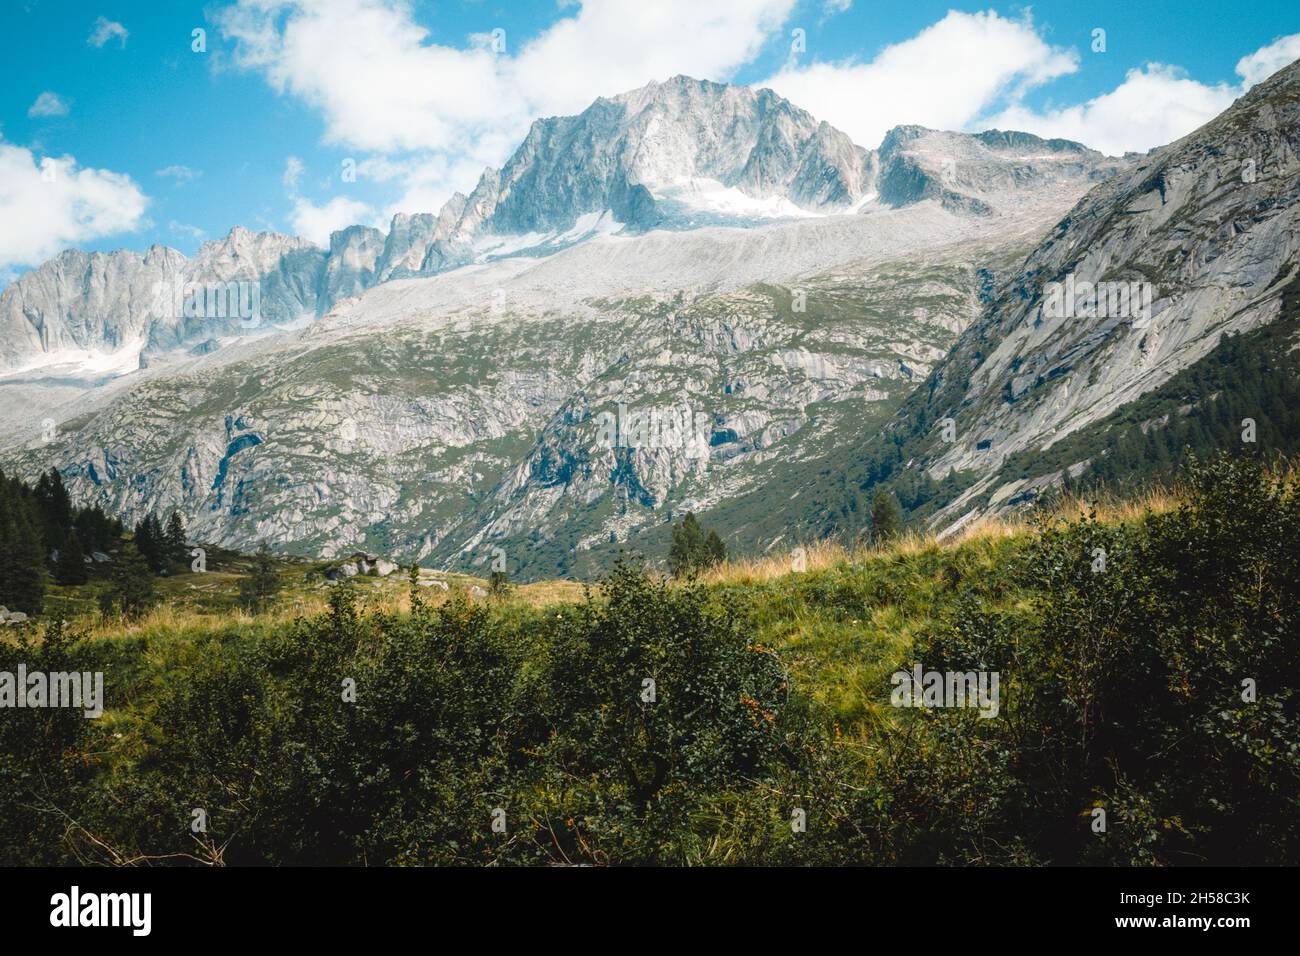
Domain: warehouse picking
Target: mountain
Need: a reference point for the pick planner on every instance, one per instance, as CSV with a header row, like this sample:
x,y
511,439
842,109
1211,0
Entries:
x,y
675,155
82,304
1034,394
738,288
672,147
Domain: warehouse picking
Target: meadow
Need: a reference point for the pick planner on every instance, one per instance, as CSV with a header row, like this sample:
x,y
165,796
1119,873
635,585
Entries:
x,y
1146,649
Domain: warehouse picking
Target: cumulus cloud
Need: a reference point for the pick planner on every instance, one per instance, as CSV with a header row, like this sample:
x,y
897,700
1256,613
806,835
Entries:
x,y
48,103
182,174
51,204
384,88
427,116
1266,61
949,73
317,222
105,30
1155,105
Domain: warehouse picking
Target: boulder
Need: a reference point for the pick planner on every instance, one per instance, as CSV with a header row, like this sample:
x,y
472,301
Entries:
x,y
347,570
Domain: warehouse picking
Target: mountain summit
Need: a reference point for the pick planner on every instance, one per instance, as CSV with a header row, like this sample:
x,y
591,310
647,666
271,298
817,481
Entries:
x,y
739,287
677,155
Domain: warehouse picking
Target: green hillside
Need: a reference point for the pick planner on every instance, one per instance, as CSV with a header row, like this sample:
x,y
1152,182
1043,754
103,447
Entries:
x,y
521,729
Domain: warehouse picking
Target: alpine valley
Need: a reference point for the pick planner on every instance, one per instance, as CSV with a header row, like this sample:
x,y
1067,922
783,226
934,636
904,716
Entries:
x,y
690,297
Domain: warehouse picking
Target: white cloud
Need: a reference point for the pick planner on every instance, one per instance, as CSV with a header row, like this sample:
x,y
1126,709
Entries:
x,y
317,222
427,116
383,87
1155,105
105,30
48,103
949,73
292,173
611,47
51,205
1266,61
313,221
182,174
185,229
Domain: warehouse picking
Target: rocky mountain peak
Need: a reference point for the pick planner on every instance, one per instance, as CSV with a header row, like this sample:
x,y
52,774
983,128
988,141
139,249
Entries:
x,y
676,154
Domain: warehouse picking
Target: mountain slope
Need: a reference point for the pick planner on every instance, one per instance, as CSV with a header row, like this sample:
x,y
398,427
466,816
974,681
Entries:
x,y
682,154
761,308
1211,225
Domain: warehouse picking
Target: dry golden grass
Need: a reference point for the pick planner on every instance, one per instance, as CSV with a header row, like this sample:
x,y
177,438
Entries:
x,y
824,554
391,595
179,614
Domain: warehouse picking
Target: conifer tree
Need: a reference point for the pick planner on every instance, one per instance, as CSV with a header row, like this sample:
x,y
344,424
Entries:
x,y
130,590
22,553
149,540
177,547
259,588
886,517
71,566
692,550
55,506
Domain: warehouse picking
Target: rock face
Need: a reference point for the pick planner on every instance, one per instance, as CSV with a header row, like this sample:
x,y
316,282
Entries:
x,y
1208,227
680,154
977,173
353,262
773,294
679,139
426,421
90,305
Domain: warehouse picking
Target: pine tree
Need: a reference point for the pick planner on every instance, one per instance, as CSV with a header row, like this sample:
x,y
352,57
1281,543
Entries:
x,y
259,589
687,541
886,517
150,542
692,550
55,506
130,590
715,552
22,555
177,549
71,566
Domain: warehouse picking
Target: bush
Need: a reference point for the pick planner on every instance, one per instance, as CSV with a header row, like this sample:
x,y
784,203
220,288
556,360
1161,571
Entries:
x,y
647,725
1124,690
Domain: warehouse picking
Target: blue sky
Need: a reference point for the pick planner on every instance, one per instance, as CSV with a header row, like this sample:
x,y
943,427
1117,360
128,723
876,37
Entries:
x,y
153,142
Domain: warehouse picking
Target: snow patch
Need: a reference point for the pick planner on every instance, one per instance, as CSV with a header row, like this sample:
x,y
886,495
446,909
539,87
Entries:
x,y
711,196
83,363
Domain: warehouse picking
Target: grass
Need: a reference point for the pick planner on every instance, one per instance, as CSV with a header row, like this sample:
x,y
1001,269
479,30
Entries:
x,y
1001,595
843,618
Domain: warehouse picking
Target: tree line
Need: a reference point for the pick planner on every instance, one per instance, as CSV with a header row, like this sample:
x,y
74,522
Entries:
x,y
44,537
